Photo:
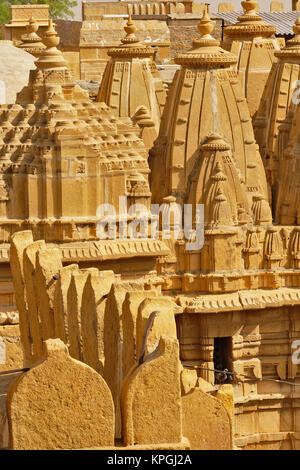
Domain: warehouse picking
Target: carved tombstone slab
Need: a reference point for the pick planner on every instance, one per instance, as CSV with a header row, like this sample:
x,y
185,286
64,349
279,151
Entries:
x,y
60,403
151,398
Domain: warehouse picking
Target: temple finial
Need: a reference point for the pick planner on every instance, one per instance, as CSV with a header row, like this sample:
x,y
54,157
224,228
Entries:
x,y
296,27
206,26
249,7
32,26
50,38
31,41
206,50
129,29
51,56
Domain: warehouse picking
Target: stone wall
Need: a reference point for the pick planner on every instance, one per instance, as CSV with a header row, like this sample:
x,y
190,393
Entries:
x,y
96,37
69,33
95,10
19,18
91,39
183,31
266,412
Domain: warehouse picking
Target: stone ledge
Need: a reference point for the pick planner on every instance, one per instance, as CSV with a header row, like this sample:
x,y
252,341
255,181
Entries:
x,y
183,445
262,437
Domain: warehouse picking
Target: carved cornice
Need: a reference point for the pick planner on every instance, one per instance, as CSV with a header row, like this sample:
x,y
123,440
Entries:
x,y
198,59
113,249
253,30
142,51
245,300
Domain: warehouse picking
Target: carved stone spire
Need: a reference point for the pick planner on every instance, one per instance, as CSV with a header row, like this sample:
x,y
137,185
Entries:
x,y
194,110
221,213
251,250
130,30
287,199
51,57
254,44
276,108
261,210
131,84
295,248
216,181
272,249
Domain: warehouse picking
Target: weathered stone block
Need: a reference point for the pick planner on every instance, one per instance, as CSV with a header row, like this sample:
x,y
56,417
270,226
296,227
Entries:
x,y
60,403
151,406
206,422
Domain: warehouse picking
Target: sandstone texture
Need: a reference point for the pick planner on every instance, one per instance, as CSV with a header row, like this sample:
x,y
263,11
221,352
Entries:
x,y
60,404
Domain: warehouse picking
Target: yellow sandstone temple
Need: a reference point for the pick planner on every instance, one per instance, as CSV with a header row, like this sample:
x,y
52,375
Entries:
x,y
152,239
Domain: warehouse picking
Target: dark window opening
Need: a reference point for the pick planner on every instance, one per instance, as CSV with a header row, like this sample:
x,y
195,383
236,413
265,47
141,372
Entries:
x,y
223,360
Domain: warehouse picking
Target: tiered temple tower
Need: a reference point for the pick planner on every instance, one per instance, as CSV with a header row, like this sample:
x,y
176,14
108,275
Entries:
x,y
62,157
236,298
206,97
131,84
277,99
254,44
239,293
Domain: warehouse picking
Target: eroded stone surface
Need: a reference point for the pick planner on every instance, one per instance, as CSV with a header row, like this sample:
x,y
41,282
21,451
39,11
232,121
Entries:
x,y
206,422
60,403
148,389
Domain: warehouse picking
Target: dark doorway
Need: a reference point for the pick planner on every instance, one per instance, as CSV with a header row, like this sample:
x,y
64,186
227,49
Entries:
x,y
223,359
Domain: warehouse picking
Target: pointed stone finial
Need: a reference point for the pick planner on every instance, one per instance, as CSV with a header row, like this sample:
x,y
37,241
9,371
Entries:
x,y
296,27
51,57
130,30
130,44
206,26
249,7
32,26
130,27
50,38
